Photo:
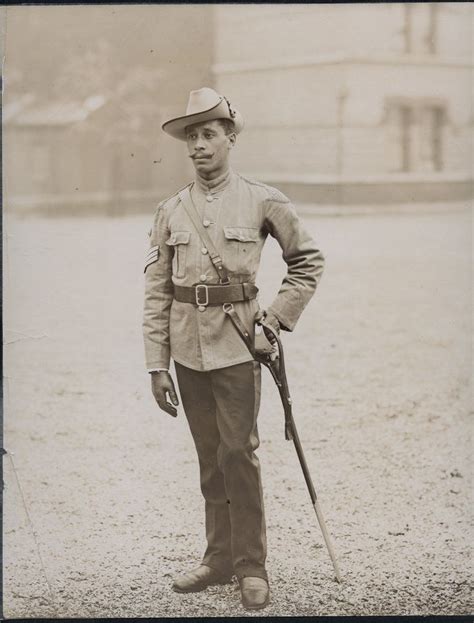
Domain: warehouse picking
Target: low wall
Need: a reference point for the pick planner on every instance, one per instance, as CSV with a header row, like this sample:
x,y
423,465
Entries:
x,y
358,193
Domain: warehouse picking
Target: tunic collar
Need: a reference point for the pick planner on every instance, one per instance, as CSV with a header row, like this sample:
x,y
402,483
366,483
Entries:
x,y
216,185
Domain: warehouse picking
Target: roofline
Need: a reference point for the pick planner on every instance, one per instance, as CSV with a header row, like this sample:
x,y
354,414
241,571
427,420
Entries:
x,y
345,59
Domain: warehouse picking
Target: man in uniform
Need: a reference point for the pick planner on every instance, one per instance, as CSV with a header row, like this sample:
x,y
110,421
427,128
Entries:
x,y
184,319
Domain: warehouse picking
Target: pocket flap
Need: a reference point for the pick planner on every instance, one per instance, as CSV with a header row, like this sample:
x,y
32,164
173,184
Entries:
x,y
178,237
242,234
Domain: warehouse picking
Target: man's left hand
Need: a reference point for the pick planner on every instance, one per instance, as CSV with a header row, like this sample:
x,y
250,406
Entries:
x,y
271,320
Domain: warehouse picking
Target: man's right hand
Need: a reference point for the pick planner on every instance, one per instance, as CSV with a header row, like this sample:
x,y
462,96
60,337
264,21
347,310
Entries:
x,y
162,384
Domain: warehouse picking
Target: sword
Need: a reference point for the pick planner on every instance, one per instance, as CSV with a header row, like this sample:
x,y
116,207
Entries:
x,y
279,375
276,367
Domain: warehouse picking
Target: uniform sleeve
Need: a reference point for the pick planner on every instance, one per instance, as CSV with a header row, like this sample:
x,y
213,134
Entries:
x,y
304,260
158,294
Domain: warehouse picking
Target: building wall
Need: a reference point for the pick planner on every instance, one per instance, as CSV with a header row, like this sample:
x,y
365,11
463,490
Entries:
x,y
259,34
325,91
290,119
272,33
367,134
326,100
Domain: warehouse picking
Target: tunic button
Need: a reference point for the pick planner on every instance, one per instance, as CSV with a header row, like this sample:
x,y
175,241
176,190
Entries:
x,y
204,251
202,278
201,308
209,198
206,223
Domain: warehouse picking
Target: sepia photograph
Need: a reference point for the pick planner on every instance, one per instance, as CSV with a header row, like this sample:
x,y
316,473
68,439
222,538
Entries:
x,y
237,310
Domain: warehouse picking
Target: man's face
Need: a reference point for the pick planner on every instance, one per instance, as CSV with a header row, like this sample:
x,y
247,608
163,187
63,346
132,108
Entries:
x,y
209,146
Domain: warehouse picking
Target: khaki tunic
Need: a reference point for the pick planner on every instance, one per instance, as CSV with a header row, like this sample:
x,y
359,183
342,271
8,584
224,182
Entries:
x,y
239,218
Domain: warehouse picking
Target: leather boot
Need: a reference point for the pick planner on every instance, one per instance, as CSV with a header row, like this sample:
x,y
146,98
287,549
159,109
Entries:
x,y
199,579
255,593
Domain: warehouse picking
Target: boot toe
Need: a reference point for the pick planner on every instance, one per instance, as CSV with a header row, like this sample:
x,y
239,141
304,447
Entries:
x,y
199,579
255,593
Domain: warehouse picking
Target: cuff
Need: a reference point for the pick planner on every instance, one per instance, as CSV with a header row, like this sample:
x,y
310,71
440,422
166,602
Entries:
x,y
287,308
285,324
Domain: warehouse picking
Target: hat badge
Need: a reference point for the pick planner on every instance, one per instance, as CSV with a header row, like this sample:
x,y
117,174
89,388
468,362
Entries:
x,y
231,110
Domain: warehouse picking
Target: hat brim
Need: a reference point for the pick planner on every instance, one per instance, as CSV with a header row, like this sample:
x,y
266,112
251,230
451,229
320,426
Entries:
x,y
176,127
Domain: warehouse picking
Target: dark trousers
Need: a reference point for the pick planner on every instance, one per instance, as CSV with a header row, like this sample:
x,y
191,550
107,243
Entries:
x,y
221,407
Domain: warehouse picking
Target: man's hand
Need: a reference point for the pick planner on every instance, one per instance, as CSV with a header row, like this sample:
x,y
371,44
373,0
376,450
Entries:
x,y
271,320
265,343
162,384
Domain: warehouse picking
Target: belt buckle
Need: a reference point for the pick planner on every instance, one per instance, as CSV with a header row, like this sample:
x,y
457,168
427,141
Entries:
x,y
197,291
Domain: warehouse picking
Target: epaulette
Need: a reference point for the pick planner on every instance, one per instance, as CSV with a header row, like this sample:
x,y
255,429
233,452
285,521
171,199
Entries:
x,y
162,203
273,193
277,195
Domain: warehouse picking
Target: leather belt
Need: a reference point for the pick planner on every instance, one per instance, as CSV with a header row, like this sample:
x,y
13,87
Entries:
x,y
203,294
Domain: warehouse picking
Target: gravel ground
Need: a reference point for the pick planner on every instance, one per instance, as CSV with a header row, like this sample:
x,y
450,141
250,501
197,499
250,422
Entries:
x,y
102,501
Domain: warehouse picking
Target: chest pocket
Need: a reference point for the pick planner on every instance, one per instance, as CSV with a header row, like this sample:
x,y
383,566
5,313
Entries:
x,y
242,248
179,240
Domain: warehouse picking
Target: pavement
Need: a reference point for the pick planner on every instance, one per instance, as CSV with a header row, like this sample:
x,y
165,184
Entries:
x,y
102,506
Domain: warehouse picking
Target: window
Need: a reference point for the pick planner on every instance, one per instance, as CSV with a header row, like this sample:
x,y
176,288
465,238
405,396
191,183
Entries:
x,y
415,136
431,125
406,121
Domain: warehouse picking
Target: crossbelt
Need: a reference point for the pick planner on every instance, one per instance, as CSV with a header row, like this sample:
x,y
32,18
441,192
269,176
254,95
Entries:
x,y
204,294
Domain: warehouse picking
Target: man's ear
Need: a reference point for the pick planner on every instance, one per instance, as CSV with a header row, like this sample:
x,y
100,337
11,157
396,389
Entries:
x,y
232,139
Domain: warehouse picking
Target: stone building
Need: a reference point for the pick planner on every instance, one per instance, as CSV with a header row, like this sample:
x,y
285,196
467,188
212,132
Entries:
x,y
343,103
351,103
